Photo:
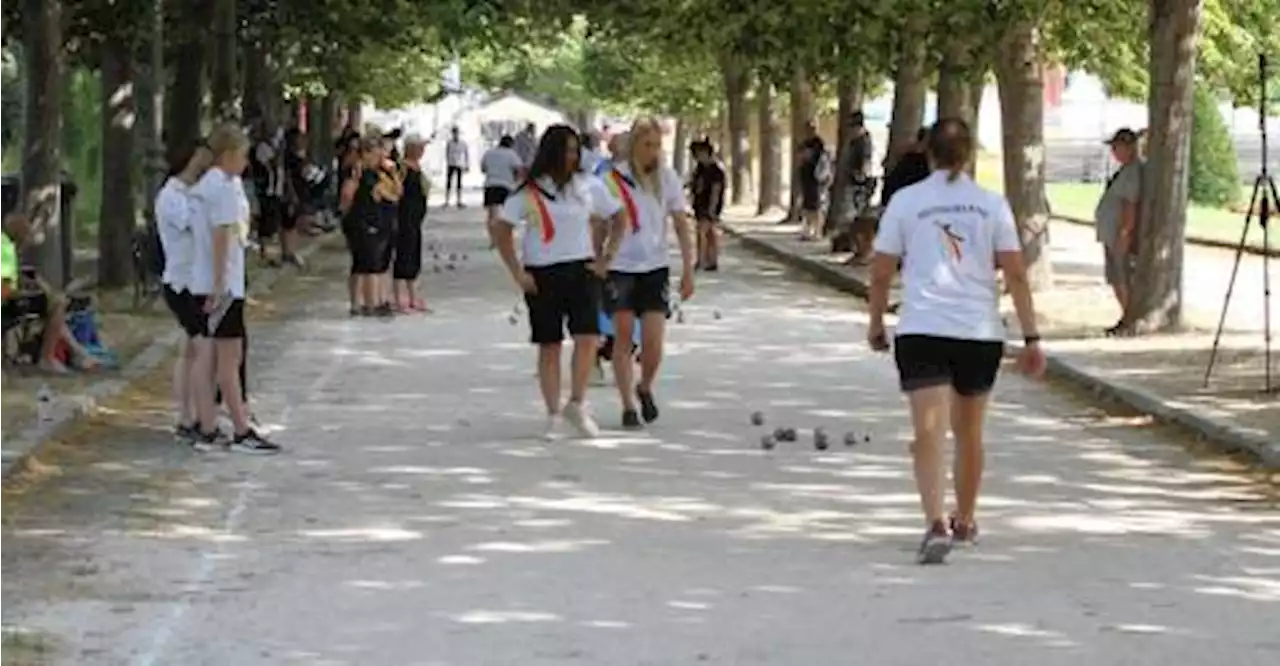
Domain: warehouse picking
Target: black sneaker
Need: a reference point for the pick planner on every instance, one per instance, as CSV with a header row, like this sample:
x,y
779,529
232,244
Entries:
x,y
205,442
936,545
963,534
630,420
712,268
385,311
252,442
648,408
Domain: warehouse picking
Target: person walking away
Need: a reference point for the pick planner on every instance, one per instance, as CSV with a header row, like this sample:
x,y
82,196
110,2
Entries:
x,y
269,184
218,279
813,171
176,213
526,144
561,269
708,184
651,194
457,159
501,166
1116,220
300,208
412,213
951,236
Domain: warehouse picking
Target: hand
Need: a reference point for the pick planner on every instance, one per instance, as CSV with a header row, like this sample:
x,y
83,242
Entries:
x,y
877,339
600,268
526,283
1031,360
686,285
210,304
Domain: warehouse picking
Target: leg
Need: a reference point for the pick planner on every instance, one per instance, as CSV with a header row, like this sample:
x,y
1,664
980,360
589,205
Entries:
x,y
702,243
182,383
929,411
584,356
244,371
624,322
228,352
549,376
55,322
967,415
713,245
202,384
653,336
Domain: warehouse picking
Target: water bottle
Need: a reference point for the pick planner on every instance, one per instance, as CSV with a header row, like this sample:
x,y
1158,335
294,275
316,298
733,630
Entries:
x,y
44,403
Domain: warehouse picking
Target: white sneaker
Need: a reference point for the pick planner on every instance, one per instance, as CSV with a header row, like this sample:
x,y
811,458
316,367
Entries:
x,y
550,432
578,417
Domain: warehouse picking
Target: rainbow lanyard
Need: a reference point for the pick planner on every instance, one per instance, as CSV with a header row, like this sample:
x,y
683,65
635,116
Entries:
x,y
541,217
620,186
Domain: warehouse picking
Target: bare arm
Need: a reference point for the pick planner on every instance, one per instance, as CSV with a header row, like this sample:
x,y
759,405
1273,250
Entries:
x,y
1015,278
684,234
617,231
223,237
1128,224
504,238
883,268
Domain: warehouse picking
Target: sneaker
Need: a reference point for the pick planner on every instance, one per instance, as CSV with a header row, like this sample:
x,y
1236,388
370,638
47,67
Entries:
x,y
648,408
385,310
551,431
204,442
630,420
712,268
963,534
936,545
576,414
252,442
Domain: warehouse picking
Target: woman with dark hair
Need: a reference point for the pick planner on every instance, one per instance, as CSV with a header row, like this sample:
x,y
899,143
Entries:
x,y
951,237
176,211
559,267
412,212
365,222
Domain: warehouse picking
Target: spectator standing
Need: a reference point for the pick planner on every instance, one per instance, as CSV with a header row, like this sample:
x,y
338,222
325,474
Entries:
x,y
1116,219
458,161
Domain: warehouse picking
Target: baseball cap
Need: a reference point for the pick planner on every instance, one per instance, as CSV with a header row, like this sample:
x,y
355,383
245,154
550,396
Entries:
x,y
1122,135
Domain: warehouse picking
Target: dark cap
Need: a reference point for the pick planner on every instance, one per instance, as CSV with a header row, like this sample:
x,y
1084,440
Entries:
x,y
1123,135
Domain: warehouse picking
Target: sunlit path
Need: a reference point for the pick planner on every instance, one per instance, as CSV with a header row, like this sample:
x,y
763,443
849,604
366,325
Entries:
x,y
417,519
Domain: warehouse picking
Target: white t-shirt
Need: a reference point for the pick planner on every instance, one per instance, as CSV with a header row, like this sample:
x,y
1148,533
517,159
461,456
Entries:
x,y
455,153
501,166
644,248
175,213
558,222
222,204
947,235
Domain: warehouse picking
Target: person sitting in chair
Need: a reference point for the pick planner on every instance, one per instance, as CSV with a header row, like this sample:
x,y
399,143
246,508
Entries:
x,y
27,295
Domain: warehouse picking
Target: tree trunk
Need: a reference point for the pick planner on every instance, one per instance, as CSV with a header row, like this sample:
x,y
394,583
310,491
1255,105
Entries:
x,y
116,215
315,135
253,83
324,128
41,150
909,95
680,151
149,83
355,115
801,114
1020,76
977,86
226,105
849,99
1155,302
770,150
735,87
184,114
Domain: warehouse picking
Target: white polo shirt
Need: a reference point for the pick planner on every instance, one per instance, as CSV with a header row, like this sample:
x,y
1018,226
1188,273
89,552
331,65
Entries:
x,y
222,203
644,248
557,223
947,234
176,210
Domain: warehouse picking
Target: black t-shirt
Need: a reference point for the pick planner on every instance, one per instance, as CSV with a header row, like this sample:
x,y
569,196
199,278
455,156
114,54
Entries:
x,y
295,170
813,149
910,169
413,203
705,178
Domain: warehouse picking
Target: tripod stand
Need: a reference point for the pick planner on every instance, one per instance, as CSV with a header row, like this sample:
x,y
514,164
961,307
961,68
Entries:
x,y
1263,200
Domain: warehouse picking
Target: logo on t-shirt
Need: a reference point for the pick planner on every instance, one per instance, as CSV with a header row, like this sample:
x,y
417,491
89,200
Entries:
x,y
952,242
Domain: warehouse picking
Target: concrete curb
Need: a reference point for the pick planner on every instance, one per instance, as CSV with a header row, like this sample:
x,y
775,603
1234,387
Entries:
x,y
1224,436
16,449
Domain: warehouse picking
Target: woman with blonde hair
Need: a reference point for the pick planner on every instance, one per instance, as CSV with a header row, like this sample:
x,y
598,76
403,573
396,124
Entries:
x,y
218,282
637,291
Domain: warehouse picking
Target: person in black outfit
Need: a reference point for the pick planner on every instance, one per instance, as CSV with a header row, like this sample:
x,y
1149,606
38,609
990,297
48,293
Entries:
x,y
412,213
707,183
910,169
391,185
365,223
298,195
813,173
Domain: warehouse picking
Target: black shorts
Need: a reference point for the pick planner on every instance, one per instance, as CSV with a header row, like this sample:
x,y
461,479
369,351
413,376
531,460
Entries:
x,y
271,215
968,366
495,195
567,293
810,197
231,326
638,292
190,315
